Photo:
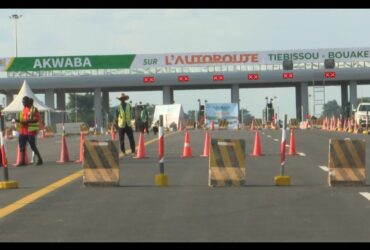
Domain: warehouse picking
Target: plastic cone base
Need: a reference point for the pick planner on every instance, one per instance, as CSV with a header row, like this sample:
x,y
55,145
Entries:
x,y
19,158
64,155
141,149
206,146
186,153
82,139
257,148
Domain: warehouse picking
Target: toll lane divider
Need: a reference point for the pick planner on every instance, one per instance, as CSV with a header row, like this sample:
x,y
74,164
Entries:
x,y
227,165
346,162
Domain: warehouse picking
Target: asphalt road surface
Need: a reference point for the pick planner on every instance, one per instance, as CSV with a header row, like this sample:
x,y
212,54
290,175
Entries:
x,y
188,210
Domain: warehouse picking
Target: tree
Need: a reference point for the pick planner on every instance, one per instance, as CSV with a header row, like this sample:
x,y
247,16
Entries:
x,y
85,111
247,117
331,108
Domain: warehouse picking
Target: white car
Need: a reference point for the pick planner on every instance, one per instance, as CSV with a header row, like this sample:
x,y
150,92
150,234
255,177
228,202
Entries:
x,y
360,113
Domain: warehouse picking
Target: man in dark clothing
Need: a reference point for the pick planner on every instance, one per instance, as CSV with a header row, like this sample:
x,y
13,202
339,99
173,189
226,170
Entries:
x,y
27,127
32,135
122,121
145,119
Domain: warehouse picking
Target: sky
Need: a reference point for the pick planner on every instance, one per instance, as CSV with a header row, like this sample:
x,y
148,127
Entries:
x,y
63,32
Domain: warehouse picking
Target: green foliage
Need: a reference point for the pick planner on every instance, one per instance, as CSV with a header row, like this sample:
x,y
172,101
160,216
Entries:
x,y
331,108
247,116
85,111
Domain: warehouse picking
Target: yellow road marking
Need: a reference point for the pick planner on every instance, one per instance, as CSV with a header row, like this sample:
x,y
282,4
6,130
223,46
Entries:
x,y
38,194
48,189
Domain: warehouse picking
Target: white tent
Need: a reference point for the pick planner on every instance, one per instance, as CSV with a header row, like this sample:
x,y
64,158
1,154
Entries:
x,y
172,113
17,106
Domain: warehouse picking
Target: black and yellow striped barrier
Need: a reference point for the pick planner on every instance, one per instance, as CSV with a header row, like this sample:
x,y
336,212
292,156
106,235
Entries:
x,y
223,124
227,163
258,123
346,162
101,165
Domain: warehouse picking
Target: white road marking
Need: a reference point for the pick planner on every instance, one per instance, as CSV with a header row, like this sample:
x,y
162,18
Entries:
x,y
301,154
276,140
365,194
325,168
287,146
269,136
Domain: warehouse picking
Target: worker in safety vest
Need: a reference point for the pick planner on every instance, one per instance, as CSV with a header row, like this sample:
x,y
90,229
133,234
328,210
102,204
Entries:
x,y
145,119
28,126
40,126
122,121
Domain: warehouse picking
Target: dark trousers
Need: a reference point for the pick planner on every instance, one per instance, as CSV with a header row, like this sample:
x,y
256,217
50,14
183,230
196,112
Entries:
x,y
23,139
146,126
143,126
121,132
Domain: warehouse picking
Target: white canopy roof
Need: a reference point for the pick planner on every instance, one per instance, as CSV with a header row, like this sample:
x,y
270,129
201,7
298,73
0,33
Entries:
x,y
17,106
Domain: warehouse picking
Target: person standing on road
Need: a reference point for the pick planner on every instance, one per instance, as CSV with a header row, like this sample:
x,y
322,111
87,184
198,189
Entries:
x,y
27,126
145,119
123,123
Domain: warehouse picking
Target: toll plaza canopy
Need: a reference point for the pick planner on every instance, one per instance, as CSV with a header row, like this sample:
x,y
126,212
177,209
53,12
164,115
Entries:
x,y
170,68
168,72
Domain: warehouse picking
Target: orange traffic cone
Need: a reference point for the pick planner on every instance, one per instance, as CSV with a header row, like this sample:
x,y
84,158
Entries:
x,y
187,148
257,150
141,148
212,125
19,157
207,141
180,127
292,150
82,140
4,159
64,155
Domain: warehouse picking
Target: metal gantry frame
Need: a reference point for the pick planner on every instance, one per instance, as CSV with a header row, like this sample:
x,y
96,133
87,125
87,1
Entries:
x,y
318,92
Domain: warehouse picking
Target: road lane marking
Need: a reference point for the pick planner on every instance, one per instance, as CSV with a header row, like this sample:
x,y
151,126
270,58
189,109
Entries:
x,y
38,194
324,168
276,140
269,136
365,194
287,146
29,199
301,154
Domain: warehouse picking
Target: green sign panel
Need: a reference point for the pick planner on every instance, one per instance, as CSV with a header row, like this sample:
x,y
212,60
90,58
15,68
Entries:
x,y
71,63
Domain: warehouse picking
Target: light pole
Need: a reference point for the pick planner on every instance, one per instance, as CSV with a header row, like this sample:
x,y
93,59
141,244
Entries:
x,y
275,97
16,17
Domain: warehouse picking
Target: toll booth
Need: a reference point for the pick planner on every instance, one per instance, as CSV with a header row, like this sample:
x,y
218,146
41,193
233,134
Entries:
x,y
201,116
268,113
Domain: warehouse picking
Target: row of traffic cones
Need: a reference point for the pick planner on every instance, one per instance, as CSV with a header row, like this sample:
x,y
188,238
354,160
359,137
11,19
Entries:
x,y
257,149
187,151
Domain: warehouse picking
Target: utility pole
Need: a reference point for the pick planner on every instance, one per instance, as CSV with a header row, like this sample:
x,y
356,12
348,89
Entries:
x,y
16,17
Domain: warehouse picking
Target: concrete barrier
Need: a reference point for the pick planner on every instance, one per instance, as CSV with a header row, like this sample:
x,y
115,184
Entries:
x,y
227,163
346,162
101,163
